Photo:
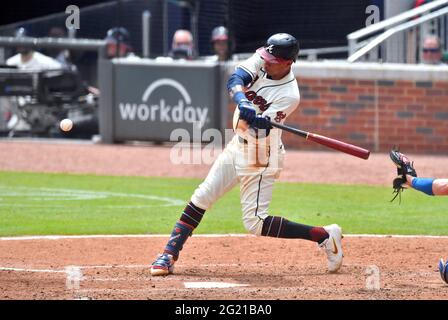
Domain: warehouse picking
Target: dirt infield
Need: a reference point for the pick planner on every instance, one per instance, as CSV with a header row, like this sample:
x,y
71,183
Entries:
x,y
262,268
268,268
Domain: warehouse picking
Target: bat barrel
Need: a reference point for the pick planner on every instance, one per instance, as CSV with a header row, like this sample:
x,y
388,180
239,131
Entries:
x,y
340,146
328,142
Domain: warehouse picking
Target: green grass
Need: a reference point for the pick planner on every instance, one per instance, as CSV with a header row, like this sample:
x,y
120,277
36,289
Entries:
x,y
37,203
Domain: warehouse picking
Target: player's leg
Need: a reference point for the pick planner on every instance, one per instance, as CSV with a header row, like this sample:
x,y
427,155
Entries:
x,y
256,194
220,179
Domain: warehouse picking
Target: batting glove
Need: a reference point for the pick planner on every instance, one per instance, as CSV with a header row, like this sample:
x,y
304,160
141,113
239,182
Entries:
x,y
247,111
262,123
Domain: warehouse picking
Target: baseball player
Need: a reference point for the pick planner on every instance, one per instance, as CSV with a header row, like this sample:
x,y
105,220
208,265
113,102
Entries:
x,y
430,186
407,176
264,89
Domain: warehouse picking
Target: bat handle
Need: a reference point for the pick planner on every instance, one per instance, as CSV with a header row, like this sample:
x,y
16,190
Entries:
x,y
299,132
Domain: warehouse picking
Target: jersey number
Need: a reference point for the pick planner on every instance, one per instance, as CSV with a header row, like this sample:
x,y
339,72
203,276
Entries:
x,y
262,104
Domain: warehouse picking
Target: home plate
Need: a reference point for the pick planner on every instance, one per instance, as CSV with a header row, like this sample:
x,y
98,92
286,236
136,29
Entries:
x,y
209,285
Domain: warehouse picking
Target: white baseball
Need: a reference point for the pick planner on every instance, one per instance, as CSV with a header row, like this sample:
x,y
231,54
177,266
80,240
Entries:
x,y
66,125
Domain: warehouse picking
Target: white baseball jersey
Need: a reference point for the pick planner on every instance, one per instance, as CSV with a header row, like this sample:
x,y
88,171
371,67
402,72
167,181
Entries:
x,y
276,99
254,163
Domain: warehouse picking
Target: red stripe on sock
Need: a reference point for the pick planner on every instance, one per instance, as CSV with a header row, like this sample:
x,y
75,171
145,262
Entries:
x,y
318,234
186,224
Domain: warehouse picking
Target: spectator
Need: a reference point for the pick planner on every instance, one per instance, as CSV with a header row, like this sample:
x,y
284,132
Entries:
x,y
432,52
182,46
118,44
221,43
413,35
28,59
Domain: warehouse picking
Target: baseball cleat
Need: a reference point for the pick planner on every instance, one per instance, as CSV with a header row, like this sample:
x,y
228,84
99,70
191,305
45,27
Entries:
x,y
163,266
333,247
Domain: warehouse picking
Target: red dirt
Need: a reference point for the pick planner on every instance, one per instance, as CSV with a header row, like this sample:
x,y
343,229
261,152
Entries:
x,y
272,268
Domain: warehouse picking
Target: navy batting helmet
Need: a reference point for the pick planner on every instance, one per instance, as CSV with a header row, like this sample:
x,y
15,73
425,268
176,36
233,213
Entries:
x,y
280,47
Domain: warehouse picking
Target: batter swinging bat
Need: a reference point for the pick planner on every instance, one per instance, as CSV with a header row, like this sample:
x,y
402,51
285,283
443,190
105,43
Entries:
x,y
328,142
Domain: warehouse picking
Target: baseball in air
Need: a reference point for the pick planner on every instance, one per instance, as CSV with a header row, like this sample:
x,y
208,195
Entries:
x,y
66,125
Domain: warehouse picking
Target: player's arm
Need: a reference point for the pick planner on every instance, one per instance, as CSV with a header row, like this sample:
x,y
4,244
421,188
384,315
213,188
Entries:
x,y
235,86
236,83
430,186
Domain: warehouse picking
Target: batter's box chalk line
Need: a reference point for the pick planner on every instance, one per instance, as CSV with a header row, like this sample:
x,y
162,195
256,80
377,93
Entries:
x,y
74,276
212,285
243,235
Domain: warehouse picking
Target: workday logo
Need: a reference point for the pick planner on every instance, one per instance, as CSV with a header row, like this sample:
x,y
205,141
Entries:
x,y
161,103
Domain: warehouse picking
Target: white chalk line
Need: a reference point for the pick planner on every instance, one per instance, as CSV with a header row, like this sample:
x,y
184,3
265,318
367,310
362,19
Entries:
x,y
212,285
31,270
112,236
147,266
58,194
245,289
149,290
148,279
188,282
117,266
123,291
243,235
132,266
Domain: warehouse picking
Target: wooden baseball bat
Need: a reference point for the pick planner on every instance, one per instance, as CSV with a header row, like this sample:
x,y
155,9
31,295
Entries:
x,y
328,142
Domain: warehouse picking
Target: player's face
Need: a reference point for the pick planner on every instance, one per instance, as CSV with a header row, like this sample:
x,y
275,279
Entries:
x,y
221,47
277,70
